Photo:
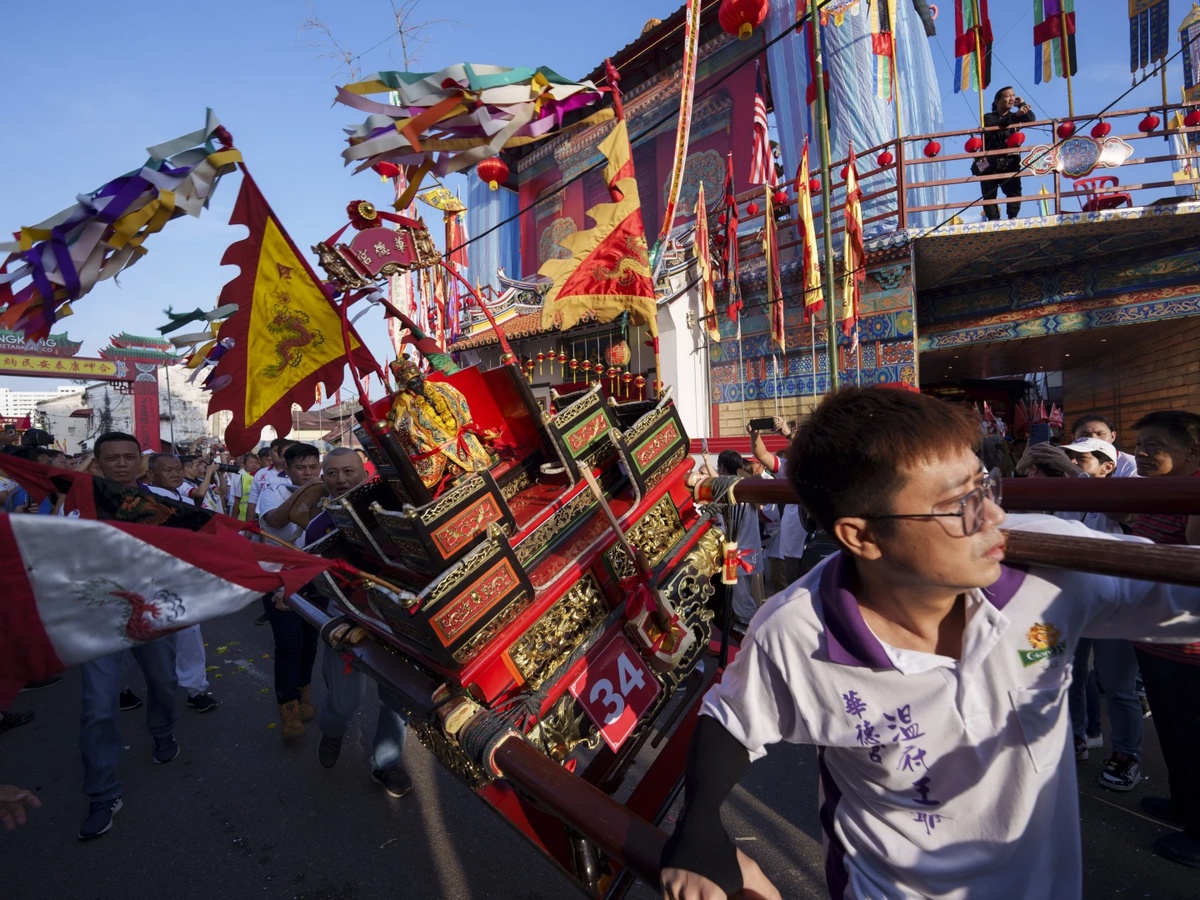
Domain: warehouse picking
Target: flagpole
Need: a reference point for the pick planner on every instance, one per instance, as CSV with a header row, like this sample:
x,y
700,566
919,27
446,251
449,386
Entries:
x,y
814,24
978,59
1066,57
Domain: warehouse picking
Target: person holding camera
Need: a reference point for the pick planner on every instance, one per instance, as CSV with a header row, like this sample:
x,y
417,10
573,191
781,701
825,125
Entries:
x,y
1008,111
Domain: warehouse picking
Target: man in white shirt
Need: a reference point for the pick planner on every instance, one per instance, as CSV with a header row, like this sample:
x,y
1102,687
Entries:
x,y
268,474
295,640
931,676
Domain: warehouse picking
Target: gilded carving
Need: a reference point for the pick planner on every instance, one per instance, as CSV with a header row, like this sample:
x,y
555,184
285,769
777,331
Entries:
x,y
580,407
654,534
664,470
484,636
645,423
465,526
564,728
558,631
518,483
553,527
449,622
645,454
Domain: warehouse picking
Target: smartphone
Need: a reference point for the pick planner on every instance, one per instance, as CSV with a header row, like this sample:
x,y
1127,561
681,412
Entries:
x,y
764,424
1039,433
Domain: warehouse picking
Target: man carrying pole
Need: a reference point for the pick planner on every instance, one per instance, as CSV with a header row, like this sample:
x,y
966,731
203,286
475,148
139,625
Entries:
x,y
931,676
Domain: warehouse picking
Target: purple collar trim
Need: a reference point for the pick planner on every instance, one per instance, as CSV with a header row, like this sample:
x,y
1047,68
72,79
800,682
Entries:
x,y
850,642
1006,586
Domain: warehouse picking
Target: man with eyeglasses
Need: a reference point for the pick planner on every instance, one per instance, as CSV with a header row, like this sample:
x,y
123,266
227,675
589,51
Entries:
x,y
931,676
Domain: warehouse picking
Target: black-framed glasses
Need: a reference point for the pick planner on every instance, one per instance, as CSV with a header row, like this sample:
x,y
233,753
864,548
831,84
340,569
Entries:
x,y
970,506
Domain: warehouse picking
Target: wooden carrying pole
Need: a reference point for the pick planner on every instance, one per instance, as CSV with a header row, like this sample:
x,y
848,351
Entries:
x,y
1177,496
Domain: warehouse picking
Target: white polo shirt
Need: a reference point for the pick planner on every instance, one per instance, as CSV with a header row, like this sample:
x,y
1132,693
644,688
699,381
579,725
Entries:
x,y
263,477
273,496
941,778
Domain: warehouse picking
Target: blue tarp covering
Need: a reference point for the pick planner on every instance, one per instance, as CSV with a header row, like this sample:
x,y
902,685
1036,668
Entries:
x,y
856,112
502,248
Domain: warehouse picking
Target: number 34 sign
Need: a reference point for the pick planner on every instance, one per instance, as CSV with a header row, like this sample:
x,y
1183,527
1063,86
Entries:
x,y
615,689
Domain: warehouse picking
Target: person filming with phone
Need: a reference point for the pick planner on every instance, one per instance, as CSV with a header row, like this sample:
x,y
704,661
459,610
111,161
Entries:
x,y
1008,111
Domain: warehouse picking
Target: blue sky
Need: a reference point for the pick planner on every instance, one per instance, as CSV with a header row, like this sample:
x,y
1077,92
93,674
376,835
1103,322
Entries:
x,y
91,85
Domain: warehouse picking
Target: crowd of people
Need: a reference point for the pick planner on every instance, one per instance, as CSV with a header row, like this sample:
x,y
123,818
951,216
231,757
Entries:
x,y
278,487
946,691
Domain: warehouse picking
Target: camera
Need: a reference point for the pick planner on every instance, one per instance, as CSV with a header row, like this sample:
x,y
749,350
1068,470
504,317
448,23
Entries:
x,y
228,467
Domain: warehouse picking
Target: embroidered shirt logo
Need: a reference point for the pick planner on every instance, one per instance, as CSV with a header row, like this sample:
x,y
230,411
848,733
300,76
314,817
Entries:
x,y
1043,638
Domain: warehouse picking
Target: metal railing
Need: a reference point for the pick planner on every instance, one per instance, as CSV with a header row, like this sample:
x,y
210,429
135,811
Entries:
x,y
906,174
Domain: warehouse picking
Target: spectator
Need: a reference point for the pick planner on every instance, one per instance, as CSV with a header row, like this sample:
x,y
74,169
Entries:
x,y
346,686
118,456
1115,660
1008,111
267,474
295,639
191,661
927,672
239,488
1100,428
787,549
1168,446
747,593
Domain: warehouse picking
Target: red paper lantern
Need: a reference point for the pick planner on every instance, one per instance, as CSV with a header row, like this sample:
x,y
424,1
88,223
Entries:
x,y
885,159
598,368
752,209
973,145
562,359
1016,139
741,17
1065,130
1192,119
1101,129
492,171
814,185
1148,124
718,240
932,149
722,219
780,198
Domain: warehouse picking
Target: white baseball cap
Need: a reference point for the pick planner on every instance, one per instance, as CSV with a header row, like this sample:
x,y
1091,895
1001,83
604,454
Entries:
x,y
1088,445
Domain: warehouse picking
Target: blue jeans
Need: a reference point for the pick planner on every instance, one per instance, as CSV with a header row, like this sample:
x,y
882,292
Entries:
x,y
344,694
99,730
1083,697
1116,668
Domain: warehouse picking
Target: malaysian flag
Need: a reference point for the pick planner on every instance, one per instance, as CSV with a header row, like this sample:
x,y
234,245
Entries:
x,y
762,165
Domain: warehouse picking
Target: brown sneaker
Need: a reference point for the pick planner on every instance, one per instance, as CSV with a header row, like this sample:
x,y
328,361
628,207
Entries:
x,y
289,714
308,712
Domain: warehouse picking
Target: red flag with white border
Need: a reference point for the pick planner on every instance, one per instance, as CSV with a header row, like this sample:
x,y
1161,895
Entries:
x,y
121,585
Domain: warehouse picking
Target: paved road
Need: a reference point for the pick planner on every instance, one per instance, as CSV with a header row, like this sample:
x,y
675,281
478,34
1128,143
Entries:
x,y
238,815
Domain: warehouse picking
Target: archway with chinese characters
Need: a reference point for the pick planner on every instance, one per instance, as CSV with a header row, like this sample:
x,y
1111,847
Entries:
x,y
130,363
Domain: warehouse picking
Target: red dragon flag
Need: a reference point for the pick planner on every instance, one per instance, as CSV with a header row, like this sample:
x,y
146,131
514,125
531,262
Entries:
x,y
814,298
972,45
1053,39
762,164
121,585
702,248
608,272
853,255
287,334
